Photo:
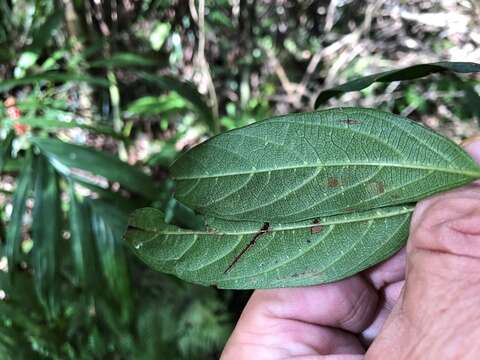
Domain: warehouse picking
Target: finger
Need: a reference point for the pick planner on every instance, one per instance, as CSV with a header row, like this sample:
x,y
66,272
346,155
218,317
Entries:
x,y
348,304
388,298
389,271
442,289
282,339
473,148
305,321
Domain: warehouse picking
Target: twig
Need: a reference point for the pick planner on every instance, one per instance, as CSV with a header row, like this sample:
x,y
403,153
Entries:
x,y
203,64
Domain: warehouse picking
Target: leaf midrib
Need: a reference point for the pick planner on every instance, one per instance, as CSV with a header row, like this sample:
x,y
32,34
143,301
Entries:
x,y
281,227
474,174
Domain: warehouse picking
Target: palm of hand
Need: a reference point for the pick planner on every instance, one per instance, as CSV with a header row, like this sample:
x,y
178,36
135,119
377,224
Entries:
x,y
327,320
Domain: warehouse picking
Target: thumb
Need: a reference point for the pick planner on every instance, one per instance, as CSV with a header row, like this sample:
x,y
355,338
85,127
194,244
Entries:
x,y
438,315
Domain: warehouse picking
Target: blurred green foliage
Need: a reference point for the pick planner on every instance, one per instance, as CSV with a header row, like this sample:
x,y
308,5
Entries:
x,y
99,97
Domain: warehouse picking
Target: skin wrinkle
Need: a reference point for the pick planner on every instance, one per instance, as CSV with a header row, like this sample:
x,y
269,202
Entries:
x,y
357,313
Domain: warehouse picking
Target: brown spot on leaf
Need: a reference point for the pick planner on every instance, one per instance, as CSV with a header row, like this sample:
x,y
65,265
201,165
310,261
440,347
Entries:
x,y
350,122
380,187
263,230
350,209
333,182
317,227
211,230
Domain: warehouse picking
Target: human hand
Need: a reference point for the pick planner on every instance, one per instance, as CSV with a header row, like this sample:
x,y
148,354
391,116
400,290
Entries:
x,y
423,303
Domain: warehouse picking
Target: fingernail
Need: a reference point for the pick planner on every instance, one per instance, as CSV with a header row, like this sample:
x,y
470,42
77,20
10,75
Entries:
x,y
470,140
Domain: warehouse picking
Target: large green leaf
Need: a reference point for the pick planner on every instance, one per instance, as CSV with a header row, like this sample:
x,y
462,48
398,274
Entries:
x,y
247,255
46,234
407,73
302,166
65,156
14,229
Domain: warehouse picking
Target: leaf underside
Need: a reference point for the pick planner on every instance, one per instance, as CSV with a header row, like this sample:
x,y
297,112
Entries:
x,y
301,166
247,255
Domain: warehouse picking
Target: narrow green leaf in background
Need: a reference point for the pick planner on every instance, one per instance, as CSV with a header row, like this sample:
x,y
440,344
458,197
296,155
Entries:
x,y
153,105
302,166
14,228
46,234
82,242
120,60
108,225
408,73
65,156
5,147
52,76
248,255
50,123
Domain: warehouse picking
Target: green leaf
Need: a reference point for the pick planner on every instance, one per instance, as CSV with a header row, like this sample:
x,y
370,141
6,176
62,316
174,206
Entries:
x,y
46,235
260,255
302,166
40,36
108,224
5,148
408,73
14,228
50,123
65,156
187,91
125,60
153,105
52,76
83,247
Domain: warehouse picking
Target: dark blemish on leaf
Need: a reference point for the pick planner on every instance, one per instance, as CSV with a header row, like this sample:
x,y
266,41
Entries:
x,y
316,228
350,209
333,182
380,187
350,122
263,230
395,196
211,230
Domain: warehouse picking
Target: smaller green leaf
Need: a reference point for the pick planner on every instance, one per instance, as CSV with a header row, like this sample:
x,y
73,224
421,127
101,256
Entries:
x,y
120,60
248,255
153,105
14,228
46,237
187,91
65,156
407,73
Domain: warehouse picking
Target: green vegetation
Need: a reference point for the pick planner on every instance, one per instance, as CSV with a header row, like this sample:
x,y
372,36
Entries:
x,y
98,98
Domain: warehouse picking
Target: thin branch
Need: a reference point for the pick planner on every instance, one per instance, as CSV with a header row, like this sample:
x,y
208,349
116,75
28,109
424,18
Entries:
x,y
202,62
